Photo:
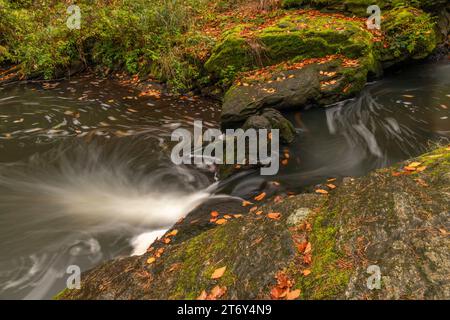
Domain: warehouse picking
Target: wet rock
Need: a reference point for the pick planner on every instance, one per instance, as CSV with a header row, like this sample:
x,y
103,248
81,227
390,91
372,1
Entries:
x,y
313,85
386,220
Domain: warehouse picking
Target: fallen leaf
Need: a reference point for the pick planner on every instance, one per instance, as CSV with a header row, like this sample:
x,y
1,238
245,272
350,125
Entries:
x,y
443,231
302,246
414,164
420,169
238,215
221,221
408,168
306,272
260,196
227,216
331,180
308,248
331,186
258,213
321,191
151,260
253,209
172,233
218,273
217,292
166,240
274,215
292,295
307,258
285,162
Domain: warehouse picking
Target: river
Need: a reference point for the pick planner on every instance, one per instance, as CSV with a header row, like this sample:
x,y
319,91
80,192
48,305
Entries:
x,y
86,175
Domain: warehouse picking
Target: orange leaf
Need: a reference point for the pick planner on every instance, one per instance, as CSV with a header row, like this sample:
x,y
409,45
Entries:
x,y
331,186
274,215
306,272
321,191
151,260
292,295
258,213
221,221
246,203
218,273
420,169
285,162
260,197
408,168
217,292
253,209
238,215
166,240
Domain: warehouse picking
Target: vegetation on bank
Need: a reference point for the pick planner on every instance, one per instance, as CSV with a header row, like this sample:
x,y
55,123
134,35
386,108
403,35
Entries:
x,y
193,43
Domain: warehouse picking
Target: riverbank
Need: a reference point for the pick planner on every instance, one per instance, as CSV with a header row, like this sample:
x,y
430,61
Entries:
x,y
308,246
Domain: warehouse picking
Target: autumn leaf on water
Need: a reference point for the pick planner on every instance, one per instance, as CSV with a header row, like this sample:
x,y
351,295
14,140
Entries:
x,y
274,215
321,191
218,273
260,196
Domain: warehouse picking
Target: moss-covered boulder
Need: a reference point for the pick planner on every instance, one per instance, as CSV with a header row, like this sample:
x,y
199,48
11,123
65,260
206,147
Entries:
x,y
396,219
293,37
299,86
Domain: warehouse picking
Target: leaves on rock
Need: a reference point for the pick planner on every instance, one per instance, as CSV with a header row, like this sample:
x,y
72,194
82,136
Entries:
x,y
218,273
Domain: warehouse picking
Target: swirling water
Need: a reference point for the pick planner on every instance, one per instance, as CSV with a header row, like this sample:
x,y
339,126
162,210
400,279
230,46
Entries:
x,y
86,176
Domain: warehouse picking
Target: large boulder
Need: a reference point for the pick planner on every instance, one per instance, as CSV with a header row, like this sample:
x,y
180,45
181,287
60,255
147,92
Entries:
x,y
395,219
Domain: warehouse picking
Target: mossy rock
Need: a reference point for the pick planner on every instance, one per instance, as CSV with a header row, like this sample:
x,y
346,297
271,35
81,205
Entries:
x,y
291,37
317,84
359,7
410,35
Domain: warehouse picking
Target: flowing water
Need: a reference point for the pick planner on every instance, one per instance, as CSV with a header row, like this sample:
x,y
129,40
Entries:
x,y
86,175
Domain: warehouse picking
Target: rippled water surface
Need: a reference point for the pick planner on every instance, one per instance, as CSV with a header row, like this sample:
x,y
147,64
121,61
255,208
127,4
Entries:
x,y
85,170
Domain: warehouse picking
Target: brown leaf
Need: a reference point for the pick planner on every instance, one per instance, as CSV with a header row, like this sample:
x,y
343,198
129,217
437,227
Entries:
x,y
253,209
331,186
302,246
218,273
307,258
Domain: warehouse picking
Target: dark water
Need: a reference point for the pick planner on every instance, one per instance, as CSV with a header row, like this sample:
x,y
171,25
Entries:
x,y
85,166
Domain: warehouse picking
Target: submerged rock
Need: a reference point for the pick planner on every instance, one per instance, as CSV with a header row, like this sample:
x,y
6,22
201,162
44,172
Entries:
x,y
395,219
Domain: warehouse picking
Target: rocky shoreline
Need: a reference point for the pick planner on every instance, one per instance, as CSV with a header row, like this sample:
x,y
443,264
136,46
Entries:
x,y
319,244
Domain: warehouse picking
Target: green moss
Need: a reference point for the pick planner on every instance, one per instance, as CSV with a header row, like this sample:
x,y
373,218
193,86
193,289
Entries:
x,y
326,280
202,255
